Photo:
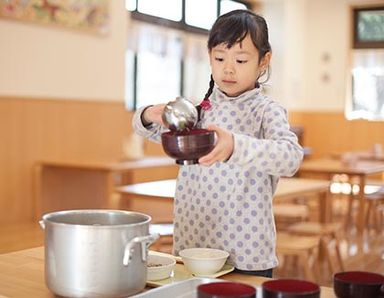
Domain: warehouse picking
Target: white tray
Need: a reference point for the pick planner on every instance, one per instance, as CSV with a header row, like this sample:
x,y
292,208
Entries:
x,y
180,273
183,289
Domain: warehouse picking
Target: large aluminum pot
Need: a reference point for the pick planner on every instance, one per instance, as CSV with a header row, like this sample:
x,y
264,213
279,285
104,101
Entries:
x,y
96,253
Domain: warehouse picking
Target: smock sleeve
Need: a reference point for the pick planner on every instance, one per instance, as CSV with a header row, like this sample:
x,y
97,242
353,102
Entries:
x,y
277,152
152,132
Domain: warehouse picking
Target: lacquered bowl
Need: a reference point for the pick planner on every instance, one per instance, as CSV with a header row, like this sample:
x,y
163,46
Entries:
x,y
290,288
225,290
356,284
188,146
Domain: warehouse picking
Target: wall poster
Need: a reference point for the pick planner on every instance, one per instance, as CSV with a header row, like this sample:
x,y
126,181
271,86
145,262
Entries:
x,y
89,15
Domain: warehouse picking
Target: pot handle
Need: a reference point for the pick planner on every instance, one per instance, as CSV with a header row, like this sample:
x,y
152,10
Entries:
x,y
145,242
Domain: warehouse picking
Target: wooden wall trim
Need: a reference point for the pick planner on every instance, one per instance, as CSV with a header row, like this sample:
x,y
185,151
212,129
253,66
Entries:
x,y
63,100
38,129
327,132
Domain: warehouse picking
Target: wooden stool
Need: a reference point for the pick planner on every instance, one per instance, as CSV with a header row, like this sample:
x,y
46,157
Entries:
x,y
288,213
165,242
373,194
304,248
329,240
374,201
380,215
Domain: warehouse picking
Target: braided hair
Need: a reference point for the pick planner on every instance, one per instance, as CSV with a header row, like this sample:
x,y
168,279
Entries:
x,y
210,89
233,27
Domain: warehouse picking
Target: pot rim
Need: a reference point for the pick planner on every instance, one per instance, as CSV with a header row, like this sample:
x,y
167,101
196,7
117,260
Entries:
x,y
46,218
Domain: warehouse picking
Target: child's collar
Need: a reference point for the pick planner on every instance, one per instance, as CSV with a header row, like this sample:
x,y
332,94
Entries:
x,y
220,95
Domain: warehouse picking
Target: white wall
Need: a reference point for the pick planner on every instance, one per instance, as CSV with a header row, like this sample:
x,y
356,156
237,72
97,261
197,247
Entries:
x,y
328,47
274,14
38,60
313,44
48,61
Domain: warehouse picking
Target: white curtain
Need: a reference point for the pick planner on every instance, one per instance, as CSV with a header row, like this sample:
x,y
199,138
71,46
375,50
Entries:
x,y
144,37
368,84
173,44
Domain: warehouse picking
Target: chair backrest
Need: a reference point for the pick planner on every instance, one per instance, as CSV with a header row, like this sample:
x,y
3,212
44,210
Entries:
x,y
299,132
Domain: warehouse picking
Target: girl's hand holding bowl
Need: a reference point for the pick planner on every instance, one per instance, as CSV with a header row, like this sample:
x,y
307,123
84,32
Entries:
x,y
223,148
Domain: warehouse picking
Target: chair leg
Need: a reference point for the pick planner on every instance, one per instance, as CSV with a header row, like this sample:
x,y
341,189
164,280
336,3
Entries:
x,y
326,250
368,214
381,219
349,217
376,218
304,258
284,265
338,253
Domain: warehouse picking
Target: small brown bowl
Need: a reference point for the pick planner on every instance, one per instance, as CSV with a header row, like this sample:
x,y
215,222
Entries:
x,y
290,288
356,284
225,290
188,146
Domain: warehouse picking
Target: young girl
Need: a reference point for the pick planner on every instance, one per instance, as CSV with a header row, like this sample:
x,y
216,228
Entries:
x,y
225,201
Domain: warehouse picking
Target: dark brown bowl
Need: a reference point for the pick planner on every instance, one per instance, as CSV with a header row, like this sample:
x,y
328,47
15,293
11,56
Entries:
x,y
290,288
188,147
356,284
225,290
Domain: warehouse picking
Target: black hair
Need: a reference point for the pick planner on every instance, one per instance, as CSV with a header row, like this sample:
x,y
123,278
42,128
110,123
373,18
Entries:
x,y
233,27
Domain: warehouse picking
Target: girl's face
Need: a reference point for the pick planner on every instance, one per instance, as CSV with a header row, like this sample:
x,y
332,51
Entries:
x,y
235,70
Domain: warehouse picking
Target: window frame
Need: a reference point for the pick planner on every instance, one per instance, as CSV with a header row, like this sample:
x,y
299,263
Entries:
x,y
356,47
178,25
359,44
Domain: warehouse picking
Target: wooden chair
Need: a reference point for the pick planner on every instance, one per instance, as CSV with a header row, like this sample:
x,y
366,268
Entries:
x,y
289,213
380,215
165,242
374,197
302,248
329,241
374,210
298,130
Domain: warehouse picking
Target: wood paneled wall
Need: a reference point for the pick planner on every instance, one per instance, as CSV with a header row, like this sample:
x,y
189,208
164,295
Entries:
x,y
38,129
327,132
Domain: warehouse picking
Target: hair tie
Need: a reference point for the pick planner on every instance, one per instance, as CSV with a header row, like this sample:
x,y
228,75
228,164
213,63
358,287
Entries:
x,y
205,104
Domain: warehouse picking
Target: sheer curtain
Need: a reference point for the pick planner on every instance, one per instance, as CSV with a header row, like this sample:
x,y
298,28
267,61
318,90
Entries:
x,y
197,69
367,100
160,51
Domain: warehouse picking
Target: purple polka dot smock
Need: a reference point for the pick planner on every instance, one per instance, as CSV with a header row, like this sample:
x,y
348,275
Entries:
x,y
228,205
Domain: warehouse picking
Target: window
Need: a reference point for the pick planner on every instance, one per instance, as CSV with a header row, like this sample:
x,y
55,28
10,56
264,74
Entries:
x,y
228,5
167,52
167,9
202,18
367,72
130,5
368,28
161,85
